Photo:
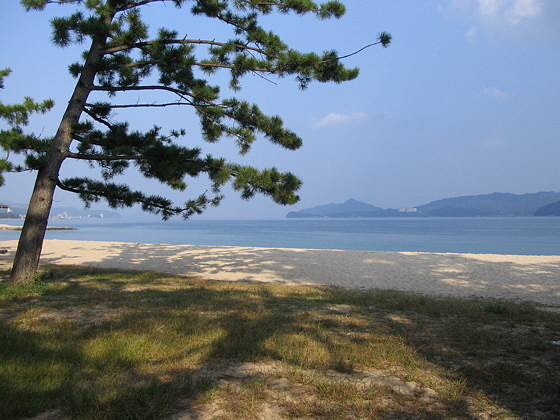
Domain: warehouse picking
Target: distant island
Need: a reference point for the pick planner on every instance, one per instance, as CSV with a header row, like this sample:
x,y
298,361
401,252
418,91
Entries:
x,y
486,205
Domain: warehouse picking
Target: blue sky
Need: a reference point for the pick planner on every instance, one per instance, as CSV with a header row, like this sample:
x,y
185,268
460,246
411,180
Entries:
x,y
465,101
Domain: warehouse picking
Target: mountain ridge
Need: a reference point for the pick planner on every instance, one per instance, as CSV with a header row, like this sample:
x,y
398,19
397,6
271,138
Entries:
x,y
484,205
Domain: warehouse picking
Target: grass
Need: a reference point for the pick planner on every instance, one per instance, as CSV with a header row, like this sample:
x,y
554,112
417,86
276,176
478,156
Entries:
x,y
87,343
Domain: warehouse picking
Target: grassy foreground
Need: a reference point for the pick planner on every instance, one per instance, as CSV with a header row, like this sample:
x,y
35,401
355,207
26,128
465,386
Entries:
x,y
88,343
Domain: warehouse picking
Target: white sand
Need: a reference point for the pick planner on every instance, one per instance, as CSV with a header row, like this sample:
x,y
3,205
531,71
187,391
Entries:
x,y
516,277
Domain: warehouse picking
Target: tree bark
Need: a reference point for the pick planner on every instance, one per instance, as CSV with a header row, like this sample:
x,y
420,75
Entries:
x,y
30,244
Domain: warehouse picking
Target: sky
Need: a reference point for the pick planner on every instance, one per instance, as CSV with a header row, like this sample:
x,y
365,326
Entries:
x,y
465,101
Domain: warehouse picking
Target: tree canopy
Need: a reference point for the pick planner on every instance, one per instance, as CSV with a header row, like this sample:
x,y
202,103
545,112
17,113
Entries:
x,y
124,55
129,59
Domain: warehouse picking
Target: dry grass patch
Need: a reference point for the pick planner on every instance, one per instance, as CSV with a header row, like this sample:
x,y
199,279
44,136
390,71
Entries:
x,y
86,343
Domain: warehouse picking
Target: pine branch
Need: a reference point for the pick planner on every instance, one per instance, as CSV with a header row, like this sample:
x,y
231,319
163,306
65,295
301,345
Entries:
x,y
181,93
232,67
105,158
219,16
140,64
139,3
272,3
60,1
134,197
140,45
97,118
256,71
140,105
122,196
383,39
116,158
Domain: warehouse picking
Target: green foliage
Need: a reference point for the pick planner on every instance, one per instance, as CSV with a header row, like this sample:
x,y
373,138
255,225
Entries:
x,y
131,60
38,286
12,139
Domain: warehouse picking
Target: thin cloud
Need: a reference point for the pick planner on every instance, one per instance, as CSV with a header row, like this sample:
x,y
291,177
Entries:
x,y
500,20
496,93
472,34
338,119
512,11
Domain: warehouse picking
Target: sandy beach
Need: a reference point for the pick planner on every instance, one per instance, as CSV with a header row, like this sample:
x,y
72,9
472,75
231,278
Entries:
x,y
513,277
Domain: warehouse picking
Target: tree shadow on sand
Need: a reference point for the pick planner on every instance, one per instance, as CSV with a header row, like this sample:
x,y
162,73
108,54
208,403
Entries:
x,y
533,278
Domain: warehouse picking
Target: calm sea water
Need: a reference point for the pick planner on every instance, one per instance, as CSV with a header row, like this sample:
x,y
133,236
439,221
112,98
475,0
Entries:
x,y
529,236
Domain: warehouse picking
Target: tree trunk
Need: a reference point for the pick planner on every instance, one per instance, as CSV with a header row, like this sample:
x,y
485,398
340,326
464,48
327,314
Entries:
x,y
30,244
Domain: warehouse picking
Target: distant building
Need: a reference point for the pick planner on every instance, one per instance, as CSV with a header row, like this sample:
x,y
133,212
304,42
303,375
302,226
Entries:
x,y
5,209
408,210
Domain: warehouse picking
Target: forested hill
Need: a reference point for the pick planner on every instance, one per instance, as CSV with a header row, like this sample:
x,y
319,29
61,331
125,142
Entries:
x,y
552,209
350,208
496,204
487,205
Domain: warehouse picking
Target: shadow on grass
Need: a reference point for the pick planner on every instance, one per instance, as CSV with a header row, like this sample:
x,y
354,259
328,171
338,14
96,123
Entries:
x,y
104,344
500,348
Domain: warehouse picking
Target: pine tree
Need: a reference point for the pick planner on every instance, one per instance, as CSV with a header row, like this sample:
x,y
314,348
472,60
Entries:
x,y
123,57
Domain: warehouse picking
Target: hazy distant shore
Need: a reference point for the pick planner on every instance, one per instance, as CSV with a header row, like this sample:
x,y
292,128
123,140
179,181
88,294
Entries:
x,y
14,227
513,277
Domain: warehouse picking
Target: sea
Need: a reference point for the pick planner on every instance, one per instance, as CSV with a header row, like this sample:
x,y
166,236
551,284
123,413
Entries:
x,y
492,235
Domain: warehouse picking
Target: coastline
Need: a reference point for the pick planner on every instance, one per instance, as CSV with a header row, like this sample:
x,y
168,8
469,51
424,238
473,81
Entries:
x,y
512,277
13,227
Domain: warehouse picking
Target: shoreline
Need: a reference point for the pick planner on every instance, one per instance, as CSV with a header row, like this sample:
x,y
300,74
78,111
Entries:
x,y
513,277
468,235
13,227
554,257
